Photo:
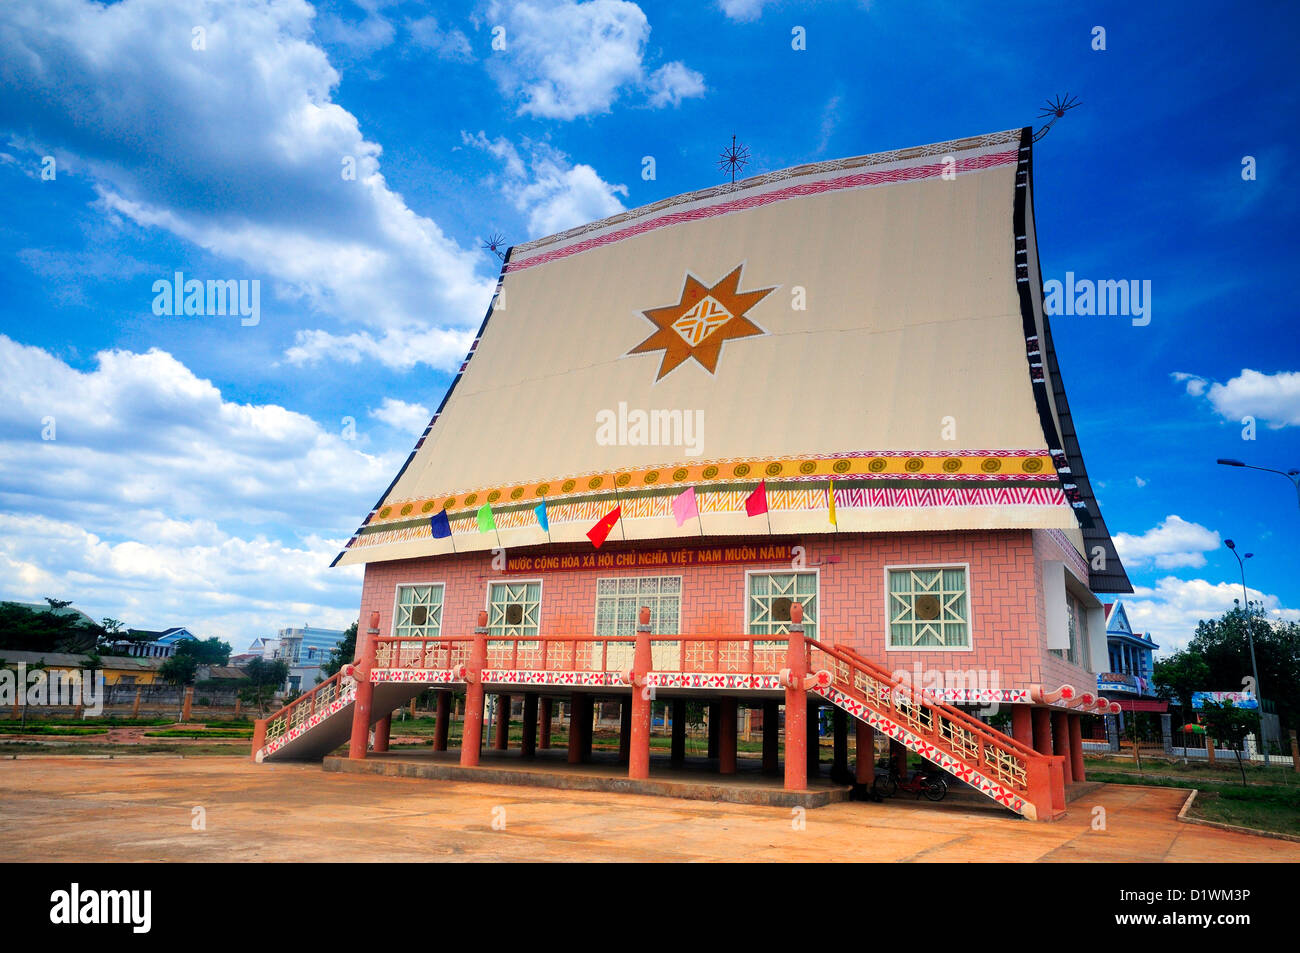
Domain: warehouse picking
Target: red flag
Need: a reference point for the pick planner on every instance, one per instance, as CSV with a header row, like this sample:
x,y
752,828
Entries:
x,y
756,502
600,532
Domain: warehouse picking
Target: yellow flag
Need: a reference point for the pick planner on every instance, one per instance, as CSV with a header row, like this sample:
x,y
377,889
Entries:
x,y
831,496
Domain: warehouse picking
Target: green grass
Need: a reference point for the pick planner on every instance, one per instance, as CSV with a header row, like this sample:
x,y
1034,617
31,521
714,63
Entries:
x,y
36,729
8,724
199,733
1224,771
1261,806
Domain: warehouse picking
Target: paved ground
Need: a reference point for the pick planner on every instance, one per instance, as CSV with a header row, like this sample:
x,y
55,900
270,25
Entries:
x,y
140,809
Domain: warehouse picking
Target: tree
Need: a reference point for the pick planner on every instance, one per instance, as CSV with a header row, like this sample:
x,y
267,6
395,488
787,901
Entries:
x,y
179,670
1224,646
1178,676
264,680
210,651
343,653
1229,725
47,630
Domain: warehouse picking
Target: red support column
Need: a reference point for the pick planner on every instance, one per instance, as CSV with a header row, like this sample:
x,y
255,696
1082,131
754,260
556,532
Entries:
x,y
679,732
866,754
472,730
1061,742
544,722
727,736
502,740
1022,725
1076,747
365,691
796,705
588,712
575,728
771,736
638,765
529,744
1042,730
382,729
259,735
442,721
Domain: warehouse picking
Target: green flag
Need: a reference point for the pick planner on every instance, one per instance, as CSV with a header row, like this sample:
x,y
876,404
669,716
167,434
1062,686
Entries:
x,y
486,523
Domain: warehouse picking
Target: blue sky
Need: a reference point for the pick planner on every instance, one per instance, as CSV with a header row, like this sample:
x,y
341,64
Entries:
x,y
204,473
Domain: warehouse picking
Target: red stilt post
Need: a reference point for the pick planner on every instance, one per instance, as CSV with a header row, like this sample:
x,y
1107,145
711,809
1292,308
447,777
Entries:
x,y
365,691
679,732
1061,742
544,722
638,765
727,736
588,712
866,754
1022,725
502,740
472,731
1076,747
771,736
796,705
1042,730
441,724
529,745
383,727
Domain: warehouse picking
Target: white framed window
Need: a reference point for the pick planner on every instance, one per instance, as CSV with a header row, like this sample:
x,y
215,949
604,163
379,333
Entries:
x,y
1076,623
769,595
418,614
928,607
515,609
618,599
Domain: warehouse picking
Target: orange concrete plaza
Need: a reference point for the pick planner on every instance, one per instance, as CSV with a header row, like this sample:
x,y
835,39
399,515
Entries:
x,y
141,808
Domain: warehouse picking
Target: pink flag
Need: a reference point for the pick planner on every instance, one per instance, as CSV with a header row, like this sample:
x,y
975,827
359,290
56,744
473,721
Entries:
x,y
756,502
685,507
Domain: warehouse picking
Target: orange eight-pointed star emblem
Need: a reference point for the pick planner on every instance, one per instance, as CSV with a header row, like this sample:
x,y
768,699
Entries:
x,y
699,324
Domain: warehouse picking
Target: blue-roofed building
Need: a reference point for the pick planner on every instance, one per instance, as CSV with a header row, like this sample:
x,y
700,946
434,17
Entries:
x,y
161,643
1130,666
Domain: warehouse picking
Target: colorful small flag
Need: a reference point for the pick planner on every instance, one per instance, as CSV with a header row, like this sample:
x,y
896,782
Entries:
x,y
600,532
756,502
830,495
685,506
486,523
440,525
542,521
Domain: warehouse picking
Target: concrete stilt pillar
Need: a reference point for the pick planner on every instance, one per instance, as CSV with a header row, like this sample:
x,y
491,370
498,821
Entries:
x,y
1076,747
624,728
814,740
796,704
1042,719
1061,741
771,736
365,691
472,731
383,727
529,744
575,728
1022,725
502,740
544,722
866,754
727,736
679,732
639,711
441,723
840,721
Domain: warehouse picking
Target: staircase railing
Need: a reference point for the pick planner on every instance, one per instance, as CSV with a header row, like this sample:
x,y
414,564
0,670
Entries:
x,y
949,729
299,711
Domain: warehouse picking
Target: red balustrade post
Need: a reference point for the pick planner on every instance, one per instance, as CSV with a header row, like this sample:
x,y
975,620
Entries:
x,y
796,705
365,692
638,765
259,736
441,724
472,731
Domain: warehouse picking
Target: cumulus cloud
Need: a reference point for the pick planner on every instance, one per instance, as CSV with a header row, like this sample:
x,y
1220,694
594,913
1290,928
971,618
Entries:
x,y
1272,399
401,416
447,44
565,59
236,147
1170,609
1173,544
743,10
546,188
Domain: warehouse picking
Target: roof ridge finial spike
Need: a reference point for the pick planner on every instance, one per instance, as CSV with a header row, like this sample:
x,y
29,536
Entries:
x,y
1055,109
733,158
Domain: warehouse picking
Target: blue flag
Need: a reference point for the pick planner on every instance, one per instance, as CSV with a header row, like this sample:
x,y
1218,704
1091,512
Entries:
x,y
542,521
440,525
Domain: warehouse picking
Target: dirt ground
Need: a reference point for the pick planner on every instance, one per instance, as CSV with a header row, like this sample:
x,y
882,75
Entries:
x,y
143,809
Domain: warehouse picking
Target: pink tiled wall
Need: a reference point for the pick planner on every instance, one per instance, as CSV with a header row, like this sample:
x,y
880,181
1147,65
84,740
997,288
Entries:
x,y
1009,637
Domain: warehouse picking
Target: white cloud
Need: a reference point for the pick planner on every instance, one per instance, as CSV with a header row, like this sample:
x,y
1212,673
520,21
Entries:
x,y
743,10
398,414
1140,482
1174,543
449,44
565,59
236,148
673,82
553,194
442,348
1272,399
1171,609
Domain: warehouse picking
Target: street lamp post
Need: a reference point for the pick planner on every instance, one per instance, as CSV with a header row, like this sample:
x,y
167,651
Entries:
x,y
1292,475
1250,640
